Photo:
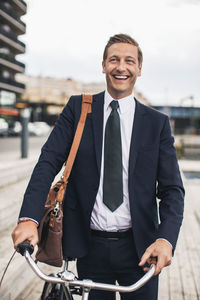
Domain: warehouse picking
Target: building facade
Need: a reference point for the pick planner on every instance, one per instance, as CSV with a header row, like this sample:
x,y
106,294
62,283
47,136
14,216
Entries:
x,y
11,27
58,90
185,120
46,96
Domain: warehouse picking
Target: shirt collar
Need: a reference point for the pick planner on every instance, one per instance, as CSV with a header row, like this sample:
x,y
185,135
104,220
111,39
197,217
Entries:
x,y
125,103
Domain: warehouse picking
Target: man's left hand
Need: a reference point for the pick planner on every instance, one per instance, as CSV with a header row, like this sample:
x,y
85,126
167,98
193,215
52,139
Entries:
x,y
159,253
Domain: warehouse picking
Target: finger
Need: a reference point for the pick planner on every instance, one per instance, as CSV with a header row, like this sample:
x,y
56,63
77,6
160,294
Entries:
x,y
21,240
14,235
152,260
18,241
145,257
21,236
160,265
31,238
17,236
25,231
34,241
169,262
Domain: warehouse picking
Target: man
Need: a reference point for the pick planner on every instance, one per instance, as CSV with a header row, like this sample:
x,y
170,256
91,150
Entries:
x,y
126,158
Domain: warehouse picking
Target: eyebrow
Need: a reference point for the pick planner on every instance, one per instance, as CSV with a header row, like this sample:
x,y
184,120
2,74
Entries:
x,y
116,56
131,57
113,56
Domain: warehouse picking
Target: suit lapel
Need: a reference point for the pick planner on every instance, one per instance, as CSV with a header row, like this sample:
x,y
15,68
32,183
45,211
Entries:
x,y
136,139
97,119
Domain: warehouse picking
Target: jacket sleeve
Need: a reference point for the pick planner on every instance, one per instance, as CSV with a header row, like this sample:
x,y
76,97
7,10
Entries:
x,y
53,155
170,189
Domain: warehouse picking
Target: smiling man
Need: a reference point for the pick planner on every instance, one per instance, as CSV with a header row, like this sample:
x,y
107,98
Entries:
x,y
125,161
122,66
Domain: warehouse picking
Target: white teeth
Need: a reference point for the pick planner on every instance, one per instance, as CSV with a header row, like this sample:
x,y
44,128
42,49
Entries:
x,y
120,77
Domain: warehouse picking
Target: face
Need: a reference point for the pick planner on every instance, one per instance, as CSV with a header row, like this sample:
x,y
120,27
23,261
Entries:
x,y
122,69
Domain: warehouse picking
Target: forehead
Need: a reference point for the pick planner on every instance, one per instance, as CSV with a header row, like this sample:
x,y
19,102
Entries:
x,y
122,50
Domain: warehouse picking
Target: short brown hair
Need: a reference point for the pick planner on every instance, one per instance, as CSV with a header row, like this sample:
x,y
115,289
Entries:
x,y
122,38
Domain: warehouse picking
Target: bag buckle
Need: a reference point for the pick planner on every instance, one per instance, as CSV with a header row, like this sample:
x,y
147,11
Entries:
x,y
56,208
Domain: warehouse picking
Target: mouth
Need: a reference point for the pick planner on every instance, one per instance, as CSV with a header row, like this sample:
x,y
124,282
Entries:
x,y
121,77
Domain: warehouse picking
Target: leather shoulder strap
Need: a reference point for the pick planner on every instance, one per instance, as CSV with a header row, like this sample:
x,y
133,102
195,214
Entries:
x,y
86,108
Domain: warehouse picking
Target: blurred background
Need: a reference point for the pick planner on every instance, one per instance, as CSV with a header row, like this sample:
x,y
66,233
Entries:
x,y
50,50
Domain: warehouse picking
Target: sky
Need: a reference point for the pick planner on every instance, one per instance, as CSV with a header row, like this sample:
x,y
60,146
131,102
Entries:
x,y
66,39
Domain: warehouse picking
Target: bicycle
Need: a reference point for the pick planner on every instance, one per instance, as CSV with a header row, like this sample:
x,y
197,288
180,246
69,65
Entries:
x,y
63,285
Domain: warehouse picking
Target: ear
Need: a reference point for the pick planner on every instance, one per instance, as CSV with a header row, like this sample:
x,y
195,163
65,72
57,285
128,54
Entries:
x,y
139,70
103,67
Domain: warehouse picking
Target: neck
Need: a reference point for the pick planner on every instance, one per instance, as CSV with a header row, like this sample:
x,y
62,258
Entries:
x,y
117,95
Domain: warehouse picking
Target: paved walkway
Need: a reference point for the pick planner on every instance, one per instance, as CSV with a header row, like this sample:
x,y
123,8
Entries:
x,y
180,281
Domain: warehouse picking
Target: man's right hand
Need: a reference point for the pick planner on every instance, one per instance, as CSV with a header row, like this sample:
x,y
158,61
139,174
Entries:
x,y
25,231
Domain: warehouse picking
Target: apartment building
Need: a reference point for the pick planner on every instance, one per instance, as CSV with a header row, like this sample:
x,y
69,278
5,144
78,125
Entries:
x,y
11,27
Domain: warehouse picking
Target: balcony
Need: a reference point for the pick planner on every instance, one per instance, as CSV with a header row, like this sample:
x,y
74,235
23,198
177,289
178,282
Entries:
x,y
10,85
9,38
20,6
11,63
14,21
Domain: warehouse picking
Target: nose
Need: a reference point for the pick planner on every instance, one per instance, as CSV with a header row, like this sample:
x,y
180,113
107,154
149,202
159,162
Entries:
x,y
121,66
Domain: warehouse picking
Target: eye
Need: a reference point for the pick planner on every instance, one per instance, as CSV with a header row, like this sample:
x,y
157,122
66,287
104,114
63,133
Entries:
x,y
130,61
113,59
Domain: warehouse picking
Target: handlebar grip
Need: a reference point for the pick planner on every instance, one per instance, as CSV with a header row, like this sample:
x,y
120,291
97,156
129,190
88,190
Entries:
x,y
22,247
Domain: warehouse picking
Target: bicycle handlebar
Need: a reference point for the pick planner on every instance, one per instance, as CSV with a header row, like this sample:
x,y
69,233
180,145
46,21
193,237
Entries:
x,y
22,247
69,277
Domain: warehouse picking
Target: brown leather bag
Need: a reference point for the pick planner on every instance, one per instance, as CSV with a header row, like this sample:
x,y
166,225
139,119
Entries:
x,y
50,229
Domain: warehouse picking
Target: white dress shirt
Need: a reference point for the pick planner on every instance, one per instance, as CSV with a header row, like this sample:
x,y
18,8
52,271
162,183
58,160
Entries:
x,y
102,217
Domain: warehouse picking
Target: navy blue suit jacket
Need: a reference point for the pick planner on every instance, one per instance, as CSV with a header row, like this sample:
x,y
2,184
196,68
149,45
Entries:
x,y
153,172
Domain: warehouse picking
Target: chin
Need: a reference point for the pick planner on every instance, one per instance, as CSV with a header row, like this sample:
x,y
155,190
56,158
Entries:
x,y
121,90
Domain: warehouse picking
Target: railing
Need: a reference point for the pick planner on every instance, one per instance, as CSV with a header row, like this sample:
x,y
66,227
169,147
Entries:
x,y
10,59
11,36
12,14
24,3
20,6
12,82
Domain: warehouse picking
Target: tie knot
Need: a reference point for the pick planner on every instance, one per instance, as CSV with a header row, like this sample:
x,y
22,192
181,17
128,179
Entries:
x,y
114,104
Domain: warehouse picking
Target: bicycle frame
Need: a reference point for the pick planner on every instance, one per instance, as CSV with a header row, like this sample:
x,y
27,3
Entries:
x,y
68,279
